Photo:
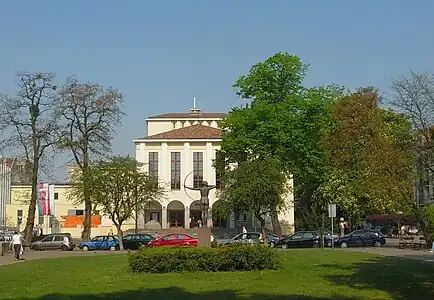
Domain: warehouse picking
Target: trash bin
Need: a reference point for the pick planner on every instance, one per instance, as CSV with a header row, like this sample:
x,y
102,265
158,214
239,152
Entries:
x,y
4,248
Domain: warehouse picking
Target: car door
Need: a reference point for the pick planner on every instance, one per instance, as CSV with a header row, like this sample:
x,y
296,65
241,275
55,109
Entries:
x,y
307,240
96,242
355,239
128,242
183,240
369,238
169,240
295,240
57,242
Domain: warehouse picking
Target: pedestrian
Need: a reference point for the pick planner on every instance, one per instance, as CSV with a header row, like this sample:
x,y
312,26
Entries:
x,y
16,244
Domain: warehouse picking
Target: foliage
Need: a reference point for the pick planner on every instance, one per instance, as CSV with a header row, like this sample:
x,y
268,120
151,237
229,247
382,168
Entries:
x,y
283,120
117,187
90,114
29,126
371,158
256,186
221,259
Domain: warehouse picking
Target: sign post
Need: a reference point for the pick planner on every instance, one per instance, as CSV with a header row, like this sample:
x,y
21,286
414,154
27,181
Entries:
x,y
332,214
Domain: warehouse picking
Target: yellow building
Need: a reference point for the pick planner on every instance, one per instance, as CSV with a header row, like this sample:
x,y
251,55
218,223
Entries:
x,y
17,210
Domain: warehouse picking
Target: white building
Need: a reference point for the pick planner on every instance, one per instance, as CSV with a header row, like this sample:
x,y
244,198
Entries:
x,y
181,147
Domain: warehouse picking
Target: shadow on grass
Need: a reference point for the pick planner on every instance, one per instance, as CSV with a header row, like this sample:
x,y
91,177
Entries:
x,y
403,278
179,294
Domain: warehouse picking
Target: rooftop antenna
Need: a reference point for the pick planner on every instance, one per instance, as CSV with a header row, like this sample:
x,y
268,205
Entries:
x,y
194,110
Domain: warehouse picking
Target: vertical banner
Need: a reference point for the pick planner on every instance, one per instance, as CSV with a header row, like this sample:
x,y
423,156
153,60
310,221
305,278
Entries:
x,y
51,198
44,205
39,202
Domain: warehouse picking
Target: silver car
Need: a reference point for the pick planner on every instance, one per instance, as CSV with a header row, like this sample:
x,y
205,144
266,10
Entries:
x,y
53,242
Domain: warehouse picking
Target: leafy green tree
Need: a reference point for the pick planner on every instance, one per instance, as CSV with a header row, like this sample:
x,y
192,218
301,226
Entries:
x,y
256,186
117,187
371,158
282,120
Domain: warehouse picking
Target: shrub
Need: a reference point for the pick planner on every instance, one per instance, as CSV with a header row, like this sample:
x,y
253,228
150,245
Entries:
x,y
221,259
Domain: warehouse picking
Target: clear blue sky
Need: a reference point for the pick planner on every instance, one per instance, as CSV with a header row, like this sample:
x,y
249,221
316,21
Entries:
x,y
162,53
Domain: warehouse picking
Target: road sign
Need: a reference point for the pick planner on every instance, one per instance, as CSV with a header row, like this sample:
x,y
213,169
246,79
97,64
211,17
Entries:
x,y
332,210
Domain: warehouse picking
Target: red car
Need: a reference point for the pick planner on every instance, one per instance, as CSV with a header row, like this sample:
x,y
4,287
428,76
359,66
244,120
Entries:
x,y
174,239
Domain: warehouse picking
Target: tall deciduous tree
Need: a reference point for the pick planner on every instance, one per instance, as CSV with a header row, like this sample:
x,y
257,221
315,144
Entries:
x,y
371,158
282,119
90,116
256,186
118,187
29,125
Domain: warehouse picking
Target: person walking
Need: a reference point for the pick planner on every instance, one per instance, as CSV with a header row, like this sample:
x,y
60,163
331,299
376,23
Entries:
x,y
16,244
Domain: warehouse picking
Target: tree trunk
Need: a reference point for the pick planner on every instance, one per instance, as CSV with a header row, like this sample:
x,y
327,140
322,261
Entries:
x,y
30,222
87,223
263,232
276,224
120,235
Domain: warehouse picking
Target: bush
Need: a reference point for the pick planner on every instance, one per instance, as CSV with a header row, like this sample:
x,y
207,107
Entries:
x,y
221,259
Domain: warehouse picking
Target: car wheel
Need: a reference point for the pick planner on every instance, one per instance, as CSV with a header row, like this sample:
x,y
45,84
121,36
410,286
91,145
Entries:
x,y
35,248
64,248
377,244
272,245
284,246
344,245
316,245
329,244
85,248
112,248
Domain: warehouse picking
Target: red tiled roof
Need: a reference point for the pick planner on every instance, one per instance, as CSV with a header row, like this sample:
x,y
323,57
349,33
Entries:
x,y
190,132
189,116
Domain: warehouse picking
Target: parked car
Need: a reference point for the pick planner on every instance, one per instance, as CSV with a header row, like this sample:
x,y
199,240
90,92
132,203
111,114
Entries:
x,y
249,238
53,242
303,239
361,238
101,242
136,241
174,239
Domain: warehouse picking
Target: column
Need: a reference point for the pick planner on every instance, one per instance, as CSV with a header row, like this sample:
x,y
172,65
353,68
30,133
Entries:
x,y
209,221
140,219
187,217
142,156
164,159
209,172
232,220
187,166
164,217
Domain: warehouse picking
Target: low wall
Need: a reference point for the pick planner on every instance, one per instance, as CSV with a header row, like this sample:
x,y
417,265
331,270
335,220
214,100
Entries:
x,y
203,234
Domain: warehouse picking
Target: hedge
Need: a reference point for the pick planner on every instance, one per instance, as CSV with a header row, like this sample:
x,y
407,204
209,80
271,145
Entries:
x,y
221,259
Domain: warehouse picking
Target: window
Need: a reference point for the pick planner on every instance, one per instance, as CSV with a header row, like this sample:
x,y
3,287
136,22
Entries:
x,y
182,237
308,235
47,239
56,196
58,238
170,237
111,239
128,238
79,212
41,220
252,236
297,236
175,170
197,169
19,216
153,164
98,239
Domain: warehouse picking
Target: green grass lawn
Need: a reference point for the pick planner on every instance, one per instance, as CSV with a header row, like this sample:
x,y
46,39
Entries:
x,y
305,274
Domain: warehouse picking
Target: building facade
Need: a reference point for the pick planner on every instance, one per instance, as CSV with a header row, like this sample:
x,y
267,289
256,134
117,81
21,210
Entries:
x,y
179,148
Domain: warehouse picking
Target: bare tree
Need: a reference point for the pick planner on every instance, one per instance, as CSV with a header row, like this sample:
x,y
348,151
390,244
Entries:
x,y
29,125
90,116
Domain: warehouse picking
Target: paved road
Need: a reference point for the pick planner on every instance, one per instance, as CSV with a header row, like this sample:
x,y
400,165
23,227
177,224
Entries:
x,y
32,255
